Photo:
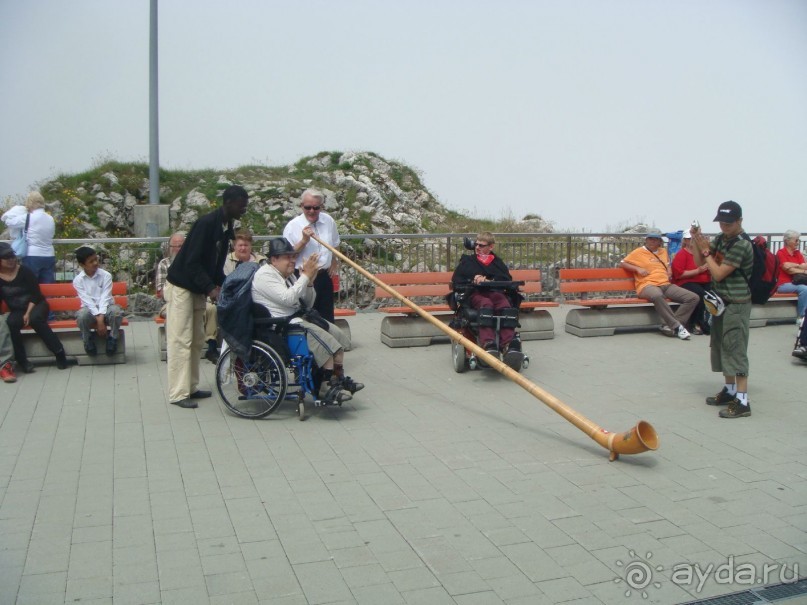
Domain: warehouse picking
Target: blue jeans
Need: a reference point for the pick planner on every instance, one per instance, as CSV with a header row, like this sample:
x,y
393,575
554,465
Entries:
x,y
802,290
43,267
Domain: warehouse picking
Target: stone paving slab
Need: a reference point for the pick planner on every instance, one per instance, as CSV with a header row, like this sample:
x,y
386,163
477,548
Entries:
x,y
428,487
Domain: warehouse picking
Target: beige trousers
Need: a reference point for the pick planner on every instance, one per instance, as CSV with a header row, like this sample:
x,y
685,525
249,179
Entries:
x,y
185,336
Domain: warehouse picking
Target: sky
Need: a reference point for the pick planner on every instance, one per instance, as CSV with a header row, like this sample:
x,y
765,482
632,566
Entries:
x,y
594,114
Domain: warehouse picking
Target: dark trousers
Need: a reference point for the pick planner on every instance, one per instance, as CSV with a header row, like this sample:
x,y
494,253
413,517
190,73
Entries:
x,y
323,286
699,315
496,301
38,320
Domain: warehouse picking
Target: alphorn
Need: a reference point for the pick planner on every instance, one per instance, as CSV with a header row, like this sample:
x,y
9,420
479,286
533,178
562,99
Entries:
x,y
640,438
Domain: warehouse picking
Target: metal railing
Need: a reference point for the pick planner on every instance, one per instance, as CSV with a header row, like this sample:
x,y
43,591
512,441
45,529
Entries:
x,y
134,259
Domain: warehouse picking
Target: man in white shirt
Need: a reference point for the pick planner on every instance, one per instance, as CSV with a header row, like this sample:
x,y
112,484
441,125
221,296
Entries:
x,y
298,231
277,289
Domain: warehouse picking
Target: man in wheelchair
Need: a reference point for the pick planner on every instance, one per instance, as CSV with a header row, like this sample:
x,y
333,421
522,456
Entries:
x,y
276,288
485,301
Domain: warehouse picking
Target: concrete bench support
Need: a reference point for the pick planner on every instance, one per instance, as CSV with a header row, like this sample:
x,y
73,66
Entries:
x,y
73,347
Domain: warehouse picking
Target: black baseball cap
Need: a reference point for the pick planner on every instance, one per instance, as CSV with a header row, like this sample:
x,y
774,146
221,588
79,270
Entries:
x,y
729,212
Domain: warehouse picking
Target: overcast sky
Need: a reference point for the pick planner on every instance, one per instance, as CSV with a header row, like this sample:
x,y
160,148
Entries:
x,y
591,113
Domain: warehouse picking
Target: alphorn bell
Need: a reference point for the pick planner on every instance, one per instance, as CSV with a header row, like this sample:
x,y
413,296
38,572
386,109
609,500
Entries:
x,y
640,438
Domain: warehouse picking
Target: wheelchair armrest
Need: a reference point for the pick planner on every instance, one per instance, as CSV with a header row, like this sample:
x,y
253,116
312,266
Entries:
x,y
270,321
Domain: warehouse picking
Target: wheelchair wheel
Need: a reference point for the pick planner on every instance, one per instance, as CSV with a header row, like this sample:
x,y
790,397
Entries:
x,y
252,387
458,357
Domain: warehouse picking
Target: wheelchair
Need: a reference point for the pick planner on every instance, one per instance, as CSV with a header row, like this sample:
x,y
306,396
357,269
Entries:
x,y
278,367
468,320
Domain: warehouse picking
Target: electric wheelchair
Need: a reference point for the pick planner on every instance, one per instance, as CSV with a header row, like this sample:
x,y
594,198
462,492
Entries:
x,y
278,366
468,320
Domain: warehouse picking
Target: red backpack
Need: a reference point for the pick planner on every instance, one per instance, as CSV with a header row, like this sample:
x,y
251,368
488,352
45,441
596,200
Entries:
x,y
765,274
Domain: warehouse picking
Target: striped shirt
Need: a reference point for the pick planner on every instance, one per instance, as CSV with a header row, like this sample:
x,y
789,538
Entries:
x,y
736,252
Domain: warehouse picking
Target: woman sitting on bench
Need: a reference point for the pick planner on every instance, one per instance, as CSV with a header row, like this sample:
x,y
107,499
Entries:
x,y
484,265
19,289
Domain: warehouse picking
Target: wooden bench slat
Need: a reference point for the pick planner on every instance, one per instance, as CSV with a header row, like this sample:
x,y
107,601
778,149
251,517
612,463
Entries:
x,y
614,285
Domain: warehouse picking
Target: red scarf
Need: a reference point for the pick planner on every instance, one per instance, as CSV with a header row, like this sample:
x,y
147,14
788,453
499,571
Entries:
x,y
485,259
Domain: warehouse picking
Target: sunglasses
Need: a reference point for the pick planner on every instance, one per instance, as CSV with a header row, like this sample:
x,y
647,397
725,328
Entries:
x,y
481,245
312,207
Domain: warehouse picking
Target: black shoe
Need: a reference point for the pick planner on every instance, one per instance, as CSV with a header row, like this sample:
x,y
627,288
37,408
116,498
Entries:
x,y
90,349
515,345
351,385
722,398
27,367
334,395
199,394
490,347
111,346
186,403
735,410
62,362
212,355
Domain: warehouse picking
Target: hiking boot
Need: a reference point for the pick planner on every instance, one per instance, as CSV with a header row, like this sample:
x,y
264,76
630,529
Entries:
x,y
735,410
7,373
682,333
800,352
722,398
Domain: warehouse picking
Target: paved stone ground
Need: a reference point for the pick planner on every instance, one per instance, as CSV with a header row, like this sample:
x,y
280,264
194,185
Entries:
x,y
429,487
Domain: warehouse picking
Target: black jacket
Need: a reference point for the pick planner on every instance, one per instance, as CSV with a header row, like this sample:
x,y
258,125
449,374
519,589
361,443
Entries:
x,y
470,266
199,266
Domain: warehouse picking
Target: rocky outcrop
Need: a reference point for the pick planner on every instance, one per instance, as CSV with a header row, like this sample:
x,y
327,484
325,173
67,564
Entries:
x,y
365,193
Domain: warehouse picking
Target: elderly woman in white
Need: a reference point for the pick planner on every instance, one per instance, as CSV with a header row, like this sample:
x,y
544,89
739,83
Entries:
x,y
41,256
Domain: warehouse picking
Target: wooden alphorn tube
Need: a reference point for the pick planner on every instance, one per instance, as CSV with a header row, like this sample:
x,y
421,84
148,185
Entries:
x,y
640,438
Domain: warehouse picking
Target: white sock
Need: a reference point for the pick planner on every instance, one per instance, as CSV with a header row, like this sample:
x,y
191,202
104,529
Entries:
x,y
732,389
742,398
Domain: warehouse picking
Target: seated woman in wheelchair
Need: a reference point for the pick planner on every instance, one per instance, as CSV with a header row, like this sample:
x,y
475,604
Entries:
x,y
276,288
481,266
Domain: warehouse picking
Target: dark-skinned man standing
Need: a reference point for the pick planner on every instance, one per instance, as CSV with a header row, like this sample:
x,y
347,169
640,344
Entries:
x,y
195,274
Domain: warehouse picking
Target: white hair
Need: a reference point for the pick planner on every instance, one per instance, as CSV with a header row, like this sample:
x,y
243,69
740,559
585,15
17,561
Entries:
x,y
315,193
790,235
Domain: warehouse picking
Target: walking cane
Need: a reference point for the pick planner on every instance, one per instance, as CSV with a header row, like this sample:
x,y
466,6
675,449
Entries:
x,y
640,438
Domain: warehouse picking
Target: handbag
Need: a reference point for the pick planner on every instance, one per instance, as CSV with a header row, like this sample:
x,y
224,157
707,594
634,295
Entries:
x,y
799,279
20,243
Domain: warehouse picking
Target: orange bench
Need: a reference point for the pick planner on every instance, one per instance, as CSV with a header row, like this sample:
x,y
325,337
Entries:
x,y
62,297
402,328
612,290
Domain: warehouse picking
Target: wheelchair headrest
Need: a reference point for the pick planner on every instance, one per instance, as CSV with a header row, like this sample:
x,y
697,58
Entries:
x,y
468,243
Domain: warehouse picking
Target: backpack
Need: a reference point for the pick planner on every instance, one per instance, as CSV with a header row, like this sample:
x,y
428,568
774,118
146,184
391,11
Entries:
x,y
765,271
234,308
